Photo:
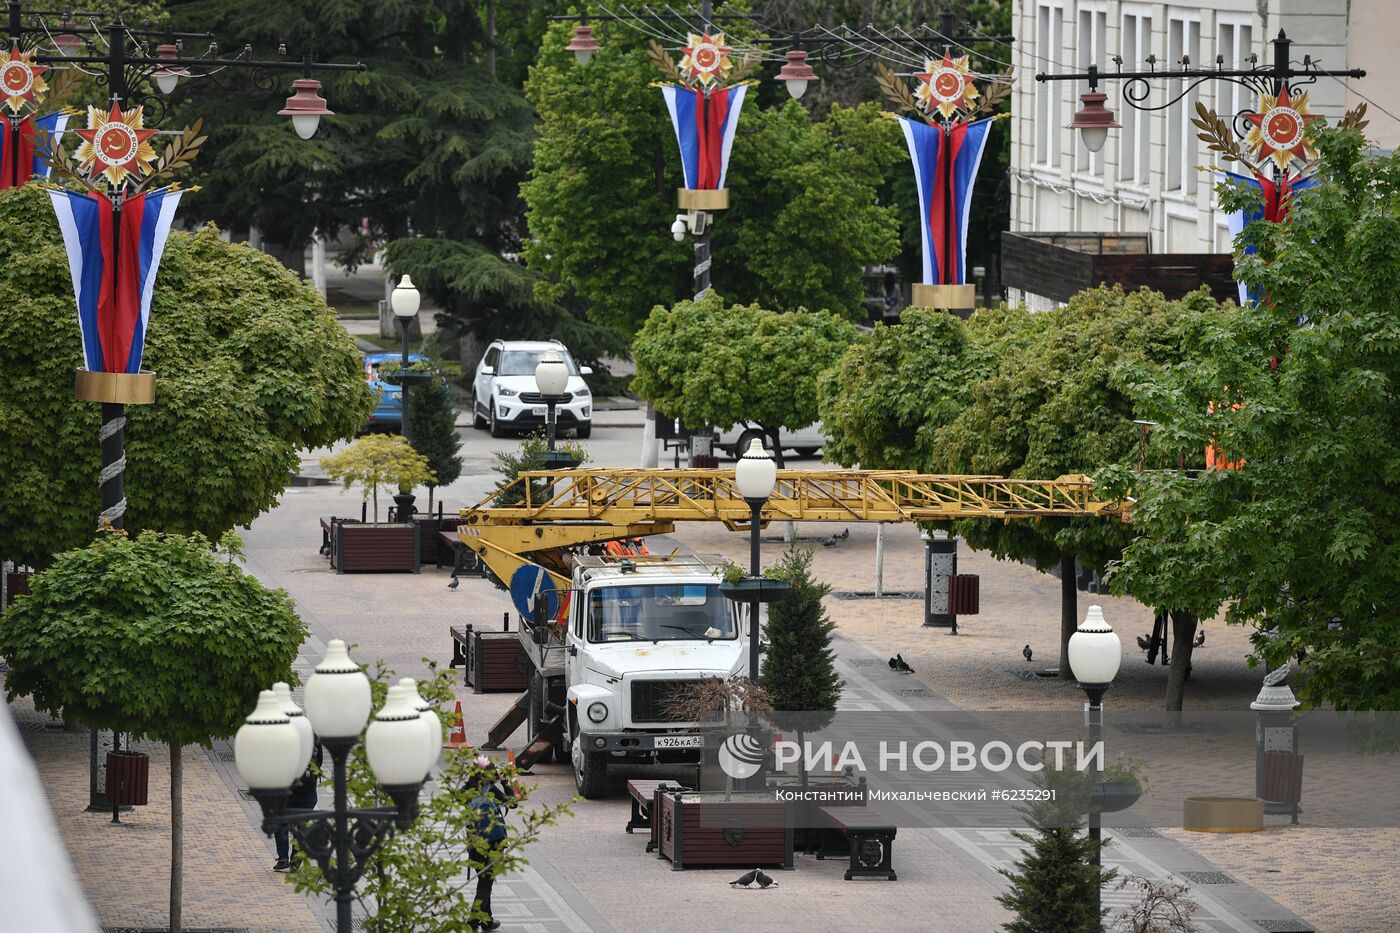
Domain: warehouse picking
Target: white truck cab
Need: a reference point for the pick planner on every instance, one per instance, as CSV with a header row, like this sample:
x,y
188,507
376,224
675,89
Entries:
x,y
636,627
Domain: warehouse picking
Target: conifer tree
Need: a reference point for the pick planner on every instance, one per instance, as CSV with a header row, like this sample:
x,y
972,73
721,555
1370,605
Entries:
x,y
432,429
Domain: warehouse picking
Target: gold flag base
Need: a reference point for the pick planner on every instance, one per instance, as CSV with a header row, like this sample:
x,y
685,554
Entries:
x,y
945,297
702,199
121,388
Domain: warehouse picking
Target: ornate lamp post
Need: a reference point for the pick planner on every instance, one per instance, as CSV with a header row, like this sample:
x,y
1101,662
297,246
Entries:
x,y
1094,656
551,378
405,300
271,753
756,475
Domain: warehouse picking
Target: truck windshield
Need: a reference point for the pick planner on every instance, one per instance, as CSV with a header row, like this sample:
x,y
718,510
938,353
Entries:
x,y
660,612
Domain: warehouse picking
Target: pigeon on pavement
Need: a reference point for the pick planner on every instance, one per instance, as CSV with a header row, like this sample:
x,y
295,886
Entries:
x,y
894,665
764,881
1026,653
745,879
1200,639
901,665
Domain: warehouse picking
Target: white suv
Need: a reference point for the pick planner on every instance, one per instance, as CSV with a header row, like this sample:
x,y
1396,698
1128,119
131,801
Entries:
x,y
505,397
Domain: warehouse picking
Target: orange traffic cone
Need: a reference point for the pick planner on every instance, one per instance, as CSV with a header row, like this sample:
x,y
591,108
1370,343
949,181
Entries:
x,y
458,738
510,757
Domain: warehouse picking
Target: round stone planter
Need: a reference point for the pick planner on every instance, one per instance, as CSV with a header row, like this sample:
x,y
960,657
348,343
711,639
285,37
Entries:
x,y
1223,814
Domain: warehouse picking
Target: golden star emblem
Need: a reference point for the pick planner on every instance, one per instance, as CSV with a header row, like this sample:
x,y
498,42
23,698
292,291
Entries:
x,y
1280,129
115,145
706,58
21,81
946,86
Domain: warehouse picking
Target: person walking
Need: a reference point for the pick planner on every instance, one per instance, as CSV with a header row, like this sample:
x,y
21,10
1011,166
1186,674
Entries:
x,y
489,797
303,798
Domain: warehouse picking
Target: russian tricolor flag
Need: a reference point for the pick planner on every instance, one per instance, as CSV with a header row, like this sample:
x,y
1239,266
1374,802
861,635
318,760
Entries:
x,y
18,161
705,125
1273,206
114,271
945,160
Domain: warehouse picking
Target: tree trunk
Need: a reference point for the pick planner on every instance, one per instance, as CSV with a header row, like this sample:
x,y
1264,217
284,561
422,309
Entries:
x,y
1183,633
801,764
1069,613
879,560
651,447
491,37
177,842
431,490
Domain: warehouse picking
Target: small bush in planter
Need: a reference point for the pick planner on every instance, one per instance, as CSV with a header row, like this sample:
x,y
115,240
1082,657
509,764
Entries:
x,y
375,460
529,456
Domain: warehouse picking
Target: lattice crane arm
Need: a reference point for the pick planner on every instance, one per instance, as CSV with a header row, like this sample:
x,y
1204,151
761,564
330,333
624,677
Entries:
x,y
557,510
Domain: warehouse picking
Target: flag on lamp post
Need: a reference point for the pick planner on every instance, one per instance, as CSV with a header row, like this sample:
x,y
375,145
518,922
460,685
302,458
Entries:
x,y
1275,197
704,125
18,160
946,159
113,266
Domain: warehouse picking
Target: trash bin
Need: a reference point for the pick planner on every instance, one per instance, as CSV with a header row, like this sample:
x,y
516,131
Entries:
x,y
128,775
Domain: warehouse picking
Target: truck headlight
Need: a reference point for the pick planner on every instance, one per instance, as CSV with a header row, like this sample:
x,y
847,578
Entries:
x,y
597,712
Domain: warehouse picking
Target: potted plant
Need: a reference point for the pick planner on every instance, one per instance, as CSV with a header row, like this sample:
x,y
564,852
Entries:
x,y
1123,783
372,461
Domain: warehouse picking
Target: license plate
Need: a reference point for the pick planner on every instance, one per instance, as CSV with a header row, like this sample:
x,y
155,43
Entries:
x,y
679,741
537,411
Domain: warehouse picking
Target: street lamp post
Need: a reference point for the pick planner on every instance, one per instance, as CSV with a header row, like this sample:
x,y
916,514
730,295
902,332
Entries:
x,y
405,300
1094,655
271,753
551,378
755,474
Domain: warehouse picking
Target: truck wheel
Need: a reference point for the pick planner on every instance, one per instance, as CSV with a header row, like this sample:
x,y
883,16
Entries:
x,y
590,772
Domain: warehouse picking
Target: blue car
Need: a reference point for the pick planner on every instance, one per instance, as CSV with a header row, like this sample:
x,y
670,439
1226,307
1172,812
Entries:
x,y
388,411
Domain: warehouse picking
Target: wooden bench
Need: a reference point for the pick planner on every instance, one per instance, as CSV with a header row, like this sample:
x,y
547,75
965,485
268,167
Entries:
x,y
642,793
461,636
869,836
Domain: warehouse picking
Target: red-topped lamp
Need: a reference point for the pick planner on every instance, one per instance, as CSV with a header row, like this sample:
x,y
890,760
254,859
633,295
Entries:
x,y
583,45
66,39
168,78
306,107
1093,120
796,73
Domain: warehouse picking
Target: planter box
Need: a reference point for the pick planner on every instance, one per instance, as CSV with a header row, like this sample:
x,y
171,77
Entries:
x,y
496,661
429,541
749,830
760,588
368,547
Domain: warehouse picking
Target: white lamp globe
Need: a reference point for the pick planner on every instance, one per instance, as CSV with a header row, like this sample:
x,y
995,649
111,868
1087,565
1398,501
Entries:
x,y
1094,650
267,747
1094,137
405,298
297,715
396,743
756,474
305,124
551,375
337,695
429,715
796,87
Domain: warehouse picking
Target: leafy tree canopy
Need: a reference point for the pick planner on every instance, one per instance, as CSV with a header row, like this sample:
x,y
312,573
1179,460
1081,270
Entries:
x,y
162,636
709,363
805,216
1299,539
251,367
378,460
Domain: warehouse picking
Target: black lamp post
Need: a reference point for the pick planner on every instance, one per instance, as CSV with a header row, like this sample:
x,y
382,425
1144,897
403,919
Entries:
x,y
756,475
1094,655
401,743
551,379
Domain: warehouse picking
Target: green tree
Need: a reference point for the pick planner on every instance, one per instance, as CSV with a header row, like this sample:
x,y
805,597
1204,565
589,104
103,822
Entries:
x,y
1055,887
161,636
1056,404
251,368
799,675
378,459
1298,541
805,215
530,455
419,878
707,362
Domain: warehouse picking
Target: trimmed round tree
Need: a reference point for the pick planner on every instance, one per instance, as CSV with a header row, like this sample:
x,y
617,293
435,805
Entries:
x,y
160,636
251,367
799,675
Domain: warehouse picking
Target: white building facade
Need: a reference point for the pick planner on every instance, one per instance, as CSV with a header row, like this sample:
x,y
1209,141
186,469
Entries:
x,y
1147,178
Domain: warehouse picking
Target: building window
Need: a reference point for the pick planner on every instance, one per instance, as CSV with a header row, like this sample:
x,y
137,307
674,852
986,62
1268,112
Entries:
x,y
1134,158
1089,41
1183,41
1049,118
1233,46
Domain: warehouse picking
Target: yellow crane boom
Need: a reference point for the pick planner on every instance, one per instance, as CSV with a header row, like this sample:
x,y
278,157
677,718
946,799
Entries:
x,y
555,510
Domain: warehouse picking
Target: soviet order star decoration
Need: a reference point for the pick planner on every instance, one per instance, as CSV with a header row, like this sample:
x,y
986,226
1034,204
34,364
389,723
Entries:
x,y
21,81
115,145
